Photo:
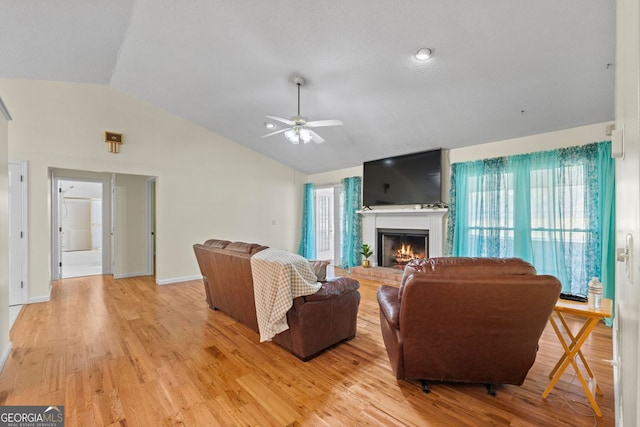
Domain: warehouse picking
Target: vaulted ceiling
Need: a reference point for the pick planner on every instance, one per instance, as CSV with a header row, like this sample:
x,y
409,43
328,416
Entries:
x,y
501,68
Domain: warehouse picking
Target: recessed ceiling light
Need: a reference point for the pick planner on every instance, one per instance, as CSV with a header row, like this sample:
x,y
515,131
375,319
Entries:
x,y
269,125
424,53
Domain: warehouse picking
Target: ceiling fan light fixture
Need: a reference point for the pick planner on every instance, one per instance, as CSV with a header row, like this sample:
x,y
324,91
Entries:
x,y
292,136
300,126
424,53
305,135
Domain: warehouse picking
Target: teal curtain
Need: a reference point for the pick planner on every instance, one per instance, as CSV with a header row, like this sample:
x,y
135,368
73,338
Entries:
x,y
479,225
555,209
350,222
607,194
308,238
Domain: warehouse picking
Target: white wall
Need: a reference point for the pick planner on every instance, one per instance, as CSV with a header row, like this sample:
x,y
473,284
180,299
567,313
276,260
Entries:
x,y
208,186
334,177
541,142
5,344
130,226
529,144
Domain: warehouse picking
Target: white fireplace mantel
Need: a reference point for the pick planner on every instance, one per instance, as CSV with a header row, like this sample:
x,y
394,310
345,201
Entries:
x,y
419,219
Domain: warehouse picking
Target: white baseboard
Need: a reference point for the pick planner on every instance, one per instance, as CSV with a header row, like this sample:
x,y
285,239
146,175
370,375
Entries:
x,y
35,300
5,356
127,275
177,280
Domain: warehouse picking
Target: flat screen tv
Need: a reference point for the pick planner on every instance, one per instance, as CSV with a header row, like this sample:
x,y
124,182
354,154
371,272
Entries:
x,y
402,180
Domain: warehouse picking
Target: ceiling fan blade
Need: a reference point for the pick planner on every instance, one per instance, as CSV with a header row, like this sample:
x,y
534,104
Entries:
x,y
280,119
315,137
274,133
320,123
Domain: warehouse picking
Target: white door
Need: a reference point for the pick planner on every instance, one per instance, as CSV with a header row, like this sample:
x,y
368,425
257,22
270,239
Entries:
x,y
627,326
327,218
112,231
17,235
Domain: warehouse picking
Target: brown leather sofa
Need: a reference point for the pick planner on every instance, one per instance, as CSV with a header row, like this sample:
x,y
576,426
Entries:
x,y
472,320
316,321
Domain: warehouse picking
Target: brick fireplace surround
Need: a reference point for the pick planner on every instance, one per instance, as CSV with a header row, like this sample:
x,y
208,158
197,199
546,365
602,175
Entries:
x,y
433,220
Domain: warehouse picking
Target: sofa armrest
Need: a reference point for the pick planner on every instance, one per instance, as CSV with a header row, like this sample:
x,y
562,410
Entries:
x,y
333,288
389,305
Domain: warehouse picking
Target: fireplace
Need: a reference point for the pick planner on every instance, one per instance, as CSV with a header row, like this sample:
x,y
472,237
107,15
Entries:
x,y
404,219
396,247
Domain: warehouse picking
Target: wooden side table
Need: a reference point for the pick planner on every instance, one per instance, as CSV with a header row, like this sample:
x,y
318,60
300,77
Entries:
x,y
572,345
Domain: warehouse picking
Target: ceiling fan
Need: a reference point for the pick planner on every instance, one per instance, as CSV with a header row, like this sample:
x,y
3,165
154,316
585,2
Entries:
x,y
300,129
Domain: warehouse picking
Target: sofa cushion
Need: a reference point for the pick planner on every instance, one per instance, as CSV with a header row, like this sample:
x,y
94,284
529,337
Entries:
x,y
333,288
320,269
245,248
215,243
465,266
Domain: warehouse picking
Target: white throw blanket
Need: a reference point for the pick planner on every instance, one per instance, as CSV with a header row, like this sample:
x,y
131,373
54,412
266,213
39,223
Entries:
x,y
278,278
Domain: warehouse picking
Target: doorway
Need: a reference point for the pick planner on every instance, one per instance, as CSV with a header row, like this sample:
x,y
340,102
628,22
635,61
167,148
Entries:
x,y
112,210
327,222
80,227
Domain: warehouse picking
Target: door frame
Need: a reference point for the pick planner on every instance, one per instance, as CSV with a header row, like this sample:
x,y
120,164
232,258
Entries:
x,y
151,224
335,220
24,226
56,252
112,223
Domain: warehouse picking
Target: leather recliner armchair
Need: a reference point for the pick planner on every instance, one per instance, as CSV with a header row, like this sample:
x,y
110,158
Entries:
x,y
472,320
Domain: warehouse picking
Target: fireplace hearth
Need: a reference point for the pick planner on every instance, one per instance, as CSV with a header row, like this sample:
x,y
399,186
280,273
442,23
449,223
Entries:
x,y
397,247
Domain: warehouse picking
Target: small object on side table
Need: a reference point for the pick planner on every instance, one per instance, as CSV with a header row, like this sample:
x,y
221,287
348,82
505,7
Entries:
x,y
595,294
571,297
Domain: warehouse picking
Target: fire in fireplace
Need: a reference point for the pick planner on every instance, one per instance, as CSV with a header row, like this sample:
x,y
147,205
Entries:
x,y
397,247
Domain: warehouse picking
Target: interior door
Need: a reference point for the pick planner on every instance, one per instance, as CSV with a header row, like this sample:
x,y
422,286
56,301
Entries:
x,y
627,311
324,202
16,235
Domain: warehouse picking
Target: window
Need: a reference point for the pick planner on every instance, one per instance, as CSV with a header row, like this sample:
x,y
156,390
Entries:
x,y
550,208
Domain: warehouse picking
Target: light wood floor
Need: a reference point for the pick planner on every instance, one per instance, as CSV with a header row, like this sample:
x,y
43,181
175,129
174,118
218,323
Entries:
x,y
128,352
